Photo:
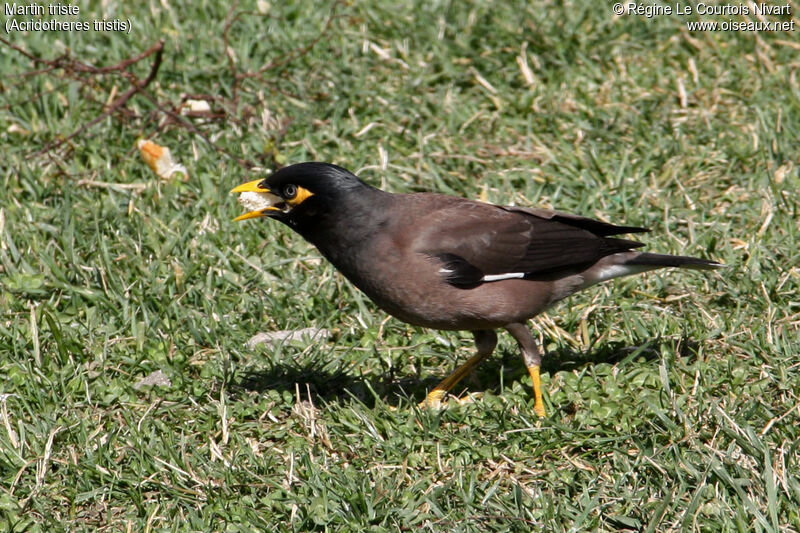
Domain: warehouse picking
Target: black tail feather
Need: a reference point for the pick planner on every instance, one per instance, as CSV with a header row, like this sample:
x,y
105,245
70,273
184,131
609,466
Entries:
x,y
664,260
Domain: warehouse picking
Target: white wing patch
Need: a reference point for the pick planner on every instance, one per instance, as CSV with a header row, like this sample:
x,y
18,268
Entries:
x,y
500,277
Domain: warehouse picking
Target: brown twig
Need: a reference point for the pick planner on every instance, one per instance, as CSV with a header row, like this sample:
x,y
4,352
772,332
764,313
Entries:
x,y
68,63
197,131
26,53
111,104
157,48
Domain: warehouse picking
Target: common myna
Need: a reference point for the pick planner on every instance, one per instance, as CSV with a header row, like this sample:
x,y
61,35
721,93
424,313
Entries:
x,y
448,263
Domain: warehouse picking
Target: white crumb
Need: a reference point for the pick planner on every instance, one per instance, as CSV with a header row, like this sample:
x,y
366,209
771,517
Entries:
x,y
255,201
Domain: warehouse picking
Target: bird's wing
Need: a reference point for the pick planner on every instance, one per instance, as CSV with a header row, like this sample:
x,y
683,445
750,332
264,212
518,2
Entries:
x,y
598,227
480,242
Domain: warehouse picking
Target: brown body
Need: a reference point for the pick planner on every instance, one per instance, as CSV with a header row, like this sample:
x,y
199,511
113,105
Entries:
x,y
448,263
402,287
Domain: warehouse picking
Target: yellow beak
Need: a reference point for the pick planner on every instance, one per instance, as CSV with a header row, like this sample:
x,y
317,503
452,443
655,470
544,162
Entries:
x,y
254,195
255,214
250,186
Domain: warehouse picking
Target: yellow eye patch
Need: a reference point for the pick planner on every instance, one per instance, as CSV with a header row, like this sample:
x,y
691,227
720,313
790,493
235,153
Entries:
x,y
301,196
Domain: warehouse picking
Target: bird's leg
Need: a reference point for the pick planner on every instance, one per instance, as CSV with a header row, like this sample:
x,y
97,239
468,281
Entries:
x,y
485,341
533,360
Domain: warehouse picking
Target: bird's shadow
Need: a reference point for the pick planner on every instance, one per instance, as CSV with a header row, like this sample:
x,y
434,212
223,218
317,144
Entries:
x,y
316,381
619,353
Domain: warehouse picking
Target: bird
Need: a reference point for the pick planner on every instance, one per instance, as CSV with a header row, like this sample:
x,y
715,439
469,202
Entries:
x,y
451,263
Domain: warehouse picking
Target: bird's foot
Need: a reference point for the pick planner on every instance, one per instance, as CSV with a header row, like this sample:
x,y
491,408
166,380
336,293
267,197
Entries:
x,y
538,408
538,404
436,399
433,400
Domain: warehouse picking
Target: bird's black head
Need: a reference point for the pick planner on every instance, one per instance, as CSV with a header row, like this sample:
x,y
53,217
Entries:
x,y
299,191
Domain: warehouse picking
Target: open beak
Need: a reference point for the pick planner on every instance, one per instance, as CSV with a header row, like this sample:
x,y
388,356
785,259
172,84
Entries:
x,y
257,199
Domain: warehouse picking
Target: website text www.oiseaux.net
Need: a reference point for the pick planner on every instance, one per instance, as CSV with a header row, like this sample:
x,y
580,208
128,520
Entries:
x,y
757,9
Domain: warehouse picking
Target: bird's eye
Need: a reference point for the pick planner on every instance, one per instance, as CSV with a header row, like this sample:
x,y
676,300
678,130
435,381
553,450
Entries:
x,y
289,192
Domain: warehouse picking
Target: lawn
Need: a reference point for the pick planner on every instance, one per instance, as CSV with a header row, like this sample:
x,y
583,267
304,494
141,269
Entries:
x,y
134,398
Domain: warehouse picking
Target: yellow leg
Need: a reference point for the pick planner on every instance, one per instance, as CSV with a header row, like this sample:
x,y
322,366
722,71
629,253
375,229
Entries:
x,y
485,341
538,404
533,361
437,394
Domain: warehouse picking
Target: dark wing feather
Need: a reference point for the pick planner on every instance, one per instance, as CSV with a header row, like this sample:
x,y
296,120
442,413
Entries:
x,y
474,239
598,227
490,239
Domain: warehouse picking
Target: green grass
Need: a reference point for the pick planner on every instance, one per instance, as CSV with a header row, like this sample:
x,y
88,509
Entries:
x,y
673,396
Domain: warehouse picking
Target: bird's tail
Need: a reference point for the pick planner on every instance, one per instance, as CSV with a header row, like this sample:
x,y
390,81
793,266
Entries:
x,y
646,259
628,263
